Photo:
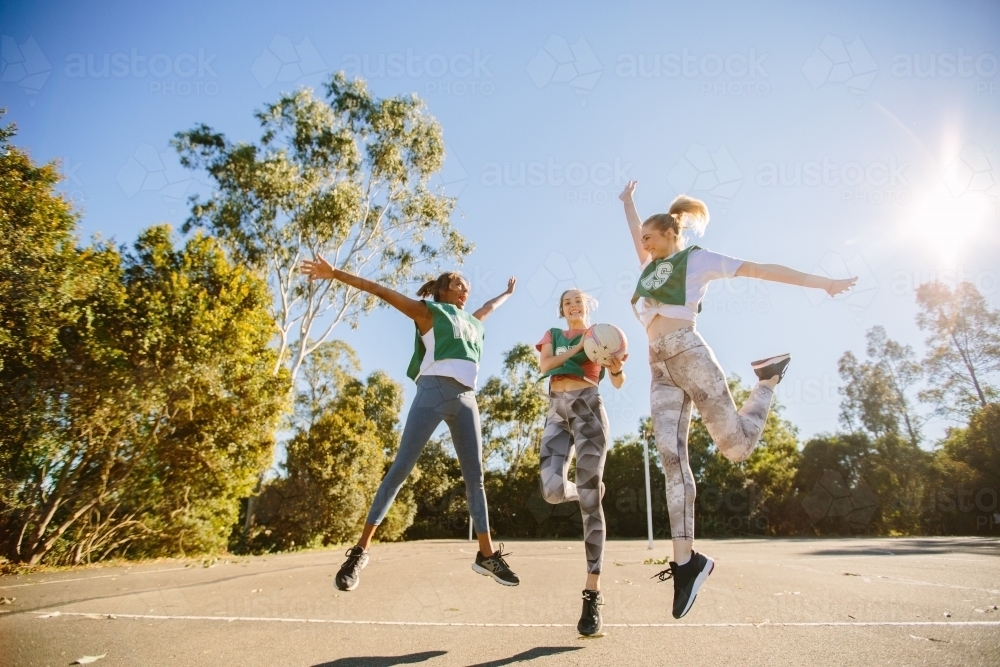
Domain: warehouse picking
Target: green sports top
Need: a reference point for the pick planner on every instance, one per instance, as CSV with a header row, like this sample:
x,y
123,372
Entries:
x,y
665,280
457,335
573,365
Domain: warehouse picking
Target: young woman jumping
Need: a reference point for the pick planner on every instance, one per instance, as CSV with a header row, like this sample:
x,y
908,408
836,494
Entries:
x,y
445,366
672,284
577,420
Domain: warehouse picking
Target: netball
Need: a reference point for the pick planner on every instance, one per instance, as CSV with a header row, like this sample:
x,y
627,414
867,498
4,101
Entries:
x,y
604,341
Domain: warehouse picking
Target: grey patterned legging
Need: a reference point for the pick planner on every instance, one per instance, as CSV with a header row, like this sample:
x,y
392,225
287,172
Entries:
x,y
685,371
577,419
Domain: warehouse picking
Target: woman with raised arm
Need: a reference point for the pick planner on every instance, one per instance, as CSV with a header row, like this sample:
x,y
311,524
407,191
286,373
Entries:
x,y
577,420
670,289
445,366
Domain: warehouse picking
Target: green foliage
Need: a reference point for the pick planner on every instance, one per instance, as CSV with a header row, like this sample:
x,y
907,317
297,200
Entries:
x,y
203,332
143,402
625,487
751,497
441,508
513,410
347,177
963,358
877,392
965,479
336,460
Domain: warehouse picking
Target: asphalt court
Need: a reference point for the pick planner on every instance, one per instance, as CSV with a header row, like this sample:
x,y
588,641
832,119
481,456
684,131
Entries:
x,y
769,602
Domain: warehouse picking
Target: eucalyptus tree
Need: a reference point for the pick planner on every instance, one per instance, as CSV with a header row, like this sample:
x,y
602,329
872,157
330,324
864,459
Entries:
x,y
348,177
963,357
878,393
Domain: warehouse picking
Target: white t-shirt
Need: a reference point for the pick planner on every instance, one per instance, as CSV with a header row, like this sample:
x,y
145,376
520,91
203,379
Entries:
x,y
463,370
703,266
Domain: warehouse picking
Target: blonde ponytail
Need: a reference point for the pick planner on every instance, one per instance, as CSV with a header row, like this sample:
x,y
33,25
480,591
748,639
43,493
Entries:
x,y
685,213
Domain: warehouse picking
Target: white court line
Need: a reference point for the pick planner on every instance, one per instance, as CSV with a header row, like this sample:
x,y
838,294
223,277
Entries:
x,y
266,619
103,576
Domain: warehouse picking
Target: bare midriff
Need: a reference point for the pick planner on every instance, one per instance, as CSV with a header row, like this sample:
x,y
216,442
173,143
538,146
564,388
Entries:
x,y
565,383
661,326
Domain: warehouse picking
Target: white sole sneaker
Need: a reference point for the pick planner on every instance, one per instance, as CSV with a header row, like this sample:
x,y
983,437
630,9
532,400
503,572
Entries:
x,y
778,364
357,582
478,569
699,580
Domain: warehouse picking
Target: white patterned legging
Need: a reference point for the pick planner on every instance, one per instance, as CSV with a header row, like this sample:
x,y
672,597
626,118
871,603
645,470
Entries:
x,y
685,372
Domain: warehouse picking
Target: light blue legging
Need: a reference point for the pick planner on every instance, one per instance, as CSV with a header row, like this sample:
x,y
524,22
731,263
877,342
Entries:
x,y
439,399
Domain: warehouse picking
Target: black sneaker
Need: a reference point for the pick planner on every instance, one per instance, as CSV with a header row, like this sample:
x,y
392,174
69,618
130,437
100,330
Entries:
x,y
590,620
765,369
495,566
688,578
349,575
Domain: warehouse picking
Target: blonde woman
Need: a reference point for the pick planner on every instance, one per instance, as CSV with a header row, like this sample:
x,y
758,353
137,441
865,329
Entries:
x,y
445,366
685,373
577,420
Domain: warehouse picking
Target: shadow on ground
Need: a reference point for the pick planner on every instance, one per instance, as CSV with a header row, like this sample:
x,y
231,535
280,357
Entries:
x,y
525,656
915,547
383,661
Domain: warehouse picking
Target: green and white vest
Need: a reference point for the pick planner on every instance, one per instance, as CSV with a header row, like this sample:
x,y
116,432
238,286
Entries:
x,y
457,335
572,366
665,280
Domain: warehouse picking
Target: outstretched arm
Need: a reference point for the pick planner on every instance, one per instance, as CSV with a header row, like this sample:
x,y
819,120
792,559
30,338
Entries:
x,y
495,302
412,308
634,221
782,274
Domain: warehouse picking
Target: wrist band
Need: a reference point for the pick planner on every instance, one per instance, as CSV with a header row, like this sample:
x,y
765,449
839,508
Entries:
x,y
618,374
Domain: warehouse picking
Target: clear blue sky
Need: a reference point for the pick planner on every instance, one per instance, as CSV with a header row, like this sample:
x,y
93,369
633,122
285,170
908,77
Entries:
x,y
842,137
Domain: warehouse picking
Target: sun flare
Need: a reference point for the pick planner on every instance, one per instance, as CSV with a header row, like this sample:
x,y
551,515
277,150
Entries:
x,y
949,225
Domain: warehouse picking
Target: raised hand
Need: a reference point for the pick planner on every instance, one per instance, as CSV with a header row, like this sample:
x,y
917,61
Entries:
x,y
511,283
626,194
839,286
317,270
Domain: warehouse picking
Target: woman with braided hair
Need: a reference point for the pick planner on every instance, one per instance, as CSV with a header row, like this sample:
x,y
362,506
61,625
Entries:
x,y
445,365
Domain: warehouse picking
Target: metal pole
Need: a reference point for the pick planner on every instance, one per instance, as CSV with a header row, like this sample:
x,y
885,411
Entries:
x,y
649,501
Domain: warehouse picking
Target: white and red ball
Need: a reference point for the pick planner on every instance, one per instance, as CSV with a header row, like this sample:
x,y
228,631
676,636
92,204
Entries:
x,y
602,342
